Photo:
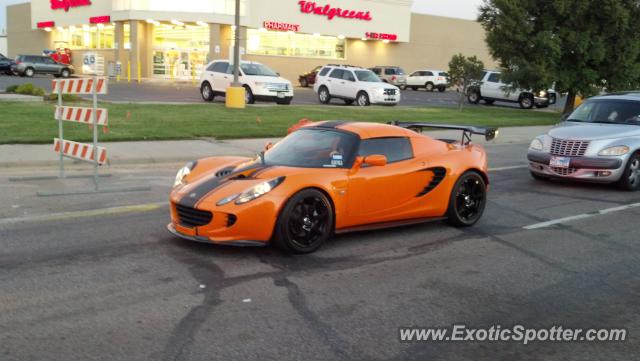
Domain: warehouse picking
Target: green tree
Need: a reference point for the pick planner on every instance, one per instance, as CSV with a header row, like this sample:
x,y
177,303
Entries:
x,y
464,71
581,46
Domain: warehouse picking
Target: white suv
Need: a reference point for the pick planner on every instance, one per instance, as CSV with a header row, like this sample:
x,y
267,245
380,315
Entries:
x,y
351,83
428,79
260,82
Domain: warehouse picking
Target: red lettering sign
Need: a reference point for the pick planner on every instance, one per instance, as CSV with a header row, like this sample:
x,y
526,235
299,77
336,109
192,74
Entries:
x,y
46,24
274,25
381,36
100,19
309,7
66,4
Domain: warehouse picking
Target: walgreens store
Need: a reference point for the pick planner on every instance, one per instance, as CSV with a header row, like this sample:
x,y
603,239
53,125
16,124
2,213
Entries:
x,y
175,39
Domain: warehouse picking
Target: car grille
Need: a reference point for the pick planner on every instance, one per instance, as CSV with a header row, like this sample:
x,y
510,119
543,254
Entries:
x,y
390,92
275,87
191,217
571,148
563,171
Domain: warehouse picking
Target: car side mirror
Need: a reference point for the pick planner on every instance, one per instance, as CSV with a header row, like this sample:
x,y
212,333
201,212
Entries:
x,y
376,160
268,146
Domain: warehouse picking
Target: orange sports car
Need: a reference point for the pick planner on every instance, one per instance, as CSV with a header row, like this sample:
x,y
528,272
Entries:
x,y
332,177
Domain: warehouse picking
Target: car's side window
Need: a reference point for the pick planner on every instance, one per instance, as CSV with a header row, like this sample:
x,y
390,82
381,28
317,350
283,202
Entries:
x,y
336,73
494,78
416,73
389,71
324,71
220,67
348,75
48,61
394,148
428,73
210,67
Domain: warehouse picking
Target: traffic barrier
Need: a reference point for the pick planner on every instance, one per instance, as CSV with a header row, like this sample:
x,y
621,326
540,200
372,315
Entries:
x,y
81,115
80,151
79,86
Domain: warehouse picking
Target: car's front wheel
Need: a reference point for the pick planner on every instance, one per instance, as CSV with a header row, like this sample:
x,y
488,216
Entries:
x,y
468,200
323,95
630,180
473,97
29,72
305,222
207,92
248,95
363,99
429,86
526,101
65,73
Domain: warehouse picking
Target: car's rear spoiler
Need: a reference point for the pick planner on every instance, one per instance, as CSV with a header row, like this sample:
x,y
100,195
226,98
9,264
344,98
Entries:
x,y
467,130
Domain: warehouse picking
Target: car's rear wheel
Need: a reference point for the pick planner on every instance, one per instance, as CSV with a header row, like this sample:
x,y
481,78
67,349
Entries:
x,y
429,86
473,97
248,95
29,72
207,92
442,89
630,180
323,95
304,83
65,73
305,222
468,200
362,99
526,101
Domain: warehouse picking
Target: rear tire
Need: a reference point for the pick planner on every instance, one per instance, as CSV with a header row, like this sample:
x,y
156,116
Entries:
x,y
29,72
323,95
473,97
630,180
305,222
207,92
468,200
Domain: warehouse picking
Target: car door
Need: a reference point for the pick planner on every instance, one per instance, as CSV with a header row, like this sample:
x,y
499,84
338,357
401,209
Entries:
x,y
334,81
220,76
492,88
415,79
348,86
49,66
386,193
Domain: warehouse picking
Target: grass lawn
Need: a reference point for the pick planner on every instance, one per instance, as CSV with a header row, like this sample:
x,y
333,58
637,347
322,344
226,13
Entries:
x,y
34,123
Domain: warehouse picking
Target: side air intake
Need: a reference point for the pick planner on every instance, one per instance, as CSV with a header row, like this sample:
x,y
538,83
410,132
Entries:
x,y
438,176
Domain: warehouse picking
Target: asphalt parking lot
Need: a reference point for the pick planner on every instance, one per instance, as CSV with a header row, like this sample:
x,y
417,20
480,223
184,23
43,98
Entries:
x,y
115,285
186,92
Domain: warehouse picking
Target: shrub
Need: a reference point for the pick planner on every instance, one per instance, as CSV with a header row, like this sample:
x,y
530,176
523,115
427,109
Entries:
x,y
65,97
26,89
11,89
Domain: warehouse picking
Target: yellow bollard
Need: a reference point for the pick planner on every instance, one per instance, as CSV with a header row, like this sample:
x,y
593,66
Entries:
x,y
139,72
235,97
128,72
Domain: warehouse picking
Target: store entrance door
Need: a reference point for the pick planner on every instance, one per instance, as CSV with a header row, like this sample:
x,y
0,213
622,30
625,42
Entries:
x,y
178,64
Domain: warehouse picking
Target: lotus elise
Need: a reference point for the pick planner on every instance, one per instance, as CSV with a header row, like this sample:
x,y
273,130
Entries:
x,y
332,177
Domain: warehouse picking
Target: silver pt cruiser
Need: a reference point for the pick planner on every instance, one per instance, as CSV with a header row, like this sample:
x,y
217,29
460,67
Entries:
x,y
598,142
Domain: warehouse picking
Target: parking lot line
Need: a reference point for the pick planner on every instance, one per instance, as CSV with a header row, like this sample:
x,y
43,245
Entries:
x,y
138,208
580,216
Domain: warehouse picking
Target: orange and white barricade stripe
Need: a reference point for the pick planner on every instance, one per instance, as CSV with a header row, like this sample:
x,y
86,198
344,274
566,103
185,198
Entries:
x,y
79,86
80,151
82,115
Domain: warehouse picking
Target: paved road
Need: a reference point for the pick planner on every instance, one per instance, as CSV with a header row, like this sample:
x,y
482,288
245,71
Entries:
x,y
117,286
181,92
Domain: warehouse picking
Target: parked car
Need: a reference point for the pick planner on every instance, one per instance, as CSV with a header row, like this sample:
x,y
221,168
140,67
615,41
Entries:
x,y
428,79
391,74
351,84
5,65
597,142
491,88
260,82
309,78
29,65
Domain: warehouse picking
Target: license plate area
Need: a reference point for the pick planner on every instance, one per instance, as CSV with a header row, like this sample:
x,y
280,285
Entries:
x,y
281,95
560,162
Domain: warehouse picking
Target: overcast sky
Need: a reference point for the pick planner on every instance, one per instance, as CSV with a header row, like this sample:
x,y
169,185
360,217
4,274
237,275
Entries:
x,y
465,9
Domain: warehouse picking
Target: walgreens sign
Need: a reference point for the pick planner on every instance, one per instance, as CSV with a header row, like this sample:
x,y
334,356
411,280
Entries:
x,y
309,7
66,4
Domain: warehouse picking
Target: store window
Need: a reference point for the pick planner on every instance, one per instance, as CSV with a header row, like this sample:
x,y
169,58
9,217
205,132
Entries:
x,y
86,37
280,43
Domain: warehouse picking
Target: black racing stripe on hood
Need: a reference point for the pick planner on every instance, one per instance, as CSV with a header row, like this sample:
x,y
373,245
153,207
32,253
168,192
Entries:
x,y
206,187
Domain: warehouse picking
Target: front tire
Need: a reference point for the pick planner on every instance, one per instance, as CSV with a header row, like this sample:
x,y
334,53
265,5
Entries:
x,y
323,95
362,99
474,97
207,92
304,83
468,200
526,101
305,222
428,86
29,72
630,180
248,95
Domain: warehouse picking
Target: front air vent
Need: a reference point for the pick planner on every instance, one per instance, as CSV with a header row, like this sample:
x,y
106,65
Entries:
x,y
192,217
438,175
224,171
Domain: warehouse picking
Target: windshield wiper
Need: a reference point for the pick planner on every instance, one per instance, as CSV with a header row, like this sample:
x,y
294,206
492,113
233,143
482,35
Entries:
x,y
574,120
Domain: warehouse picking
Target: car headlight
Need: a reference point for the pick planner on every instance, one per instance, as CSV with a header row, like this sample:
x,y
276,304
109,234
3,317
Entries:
x,y
536,144
182,173
542,94
614,151
258,190
228,199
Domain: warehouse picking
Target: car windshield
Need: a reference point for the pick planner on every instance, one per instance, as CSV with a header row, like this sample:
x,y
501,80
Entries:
x,y
257,69
367,75
314,148
607,111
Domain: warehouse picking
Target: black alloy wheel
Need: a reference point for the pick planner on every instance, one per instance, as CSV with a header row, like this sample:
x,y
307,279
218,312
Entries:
x,y
468,200
305,223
